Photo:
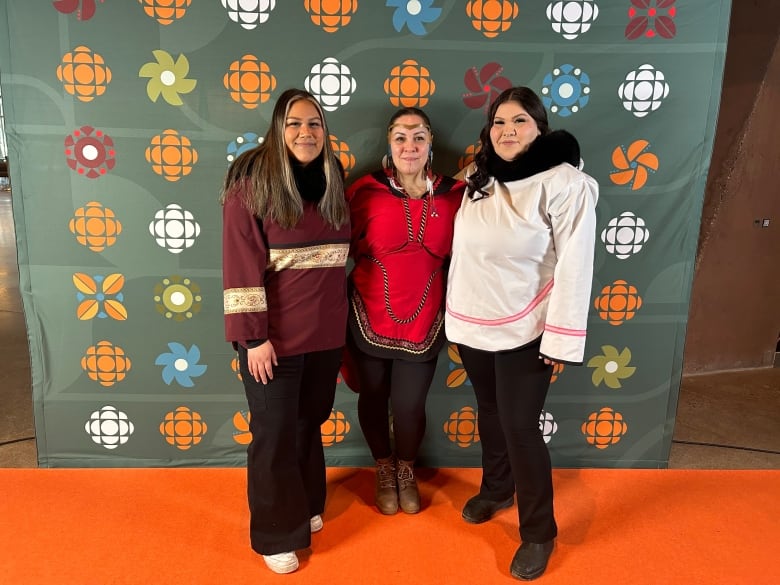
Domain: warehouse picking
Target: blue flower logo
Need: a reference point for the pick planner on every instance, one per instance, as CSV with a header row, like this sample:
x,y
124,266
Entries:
x,y
180,364
247,141
413,14
566,90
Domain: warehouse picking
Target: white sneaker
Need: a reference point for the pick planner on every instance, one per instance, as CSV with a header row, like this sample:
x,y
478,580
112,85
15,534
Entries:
x,y
316,523
282,563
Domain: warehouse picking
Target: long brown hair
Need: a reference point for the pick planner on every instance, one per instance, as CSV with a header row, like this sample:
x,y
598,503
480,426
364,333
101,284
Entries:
x,y
531,103
266,173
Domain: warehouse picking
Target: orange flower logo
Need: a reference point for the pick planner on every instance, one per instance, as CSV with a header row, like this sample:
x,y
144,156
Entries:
x,y
604,428
171,155
618,302
633,165
491,17
95,226
165,11
249,81
345,156
409,85
183,428
331,15
457,376
557,371
461,428
105,363
334,429
84,74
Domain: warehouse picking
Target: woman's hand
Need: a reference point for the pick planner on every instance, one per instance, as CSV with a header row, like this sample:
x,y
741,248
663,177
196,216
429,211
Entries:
x,y
261,360
547,361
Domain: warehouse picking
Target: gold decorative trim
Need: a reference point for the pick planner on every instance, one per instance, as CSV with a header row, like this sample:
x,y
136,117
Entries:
x,y
245,300
322,256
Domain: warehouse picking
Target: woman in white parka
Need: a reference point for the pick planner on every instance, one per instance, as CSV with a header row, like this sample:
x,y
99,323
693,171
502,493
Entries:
x,y
517,303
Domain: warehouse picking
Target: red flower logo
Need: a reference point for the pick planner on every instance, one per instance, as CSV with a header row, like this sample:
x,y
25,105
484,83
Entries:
x,y
68,6
484,85
651,17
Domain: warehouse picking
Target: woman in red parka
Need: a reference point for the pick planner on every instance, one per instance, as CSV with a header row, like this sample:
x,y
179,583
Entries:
x,y
402,218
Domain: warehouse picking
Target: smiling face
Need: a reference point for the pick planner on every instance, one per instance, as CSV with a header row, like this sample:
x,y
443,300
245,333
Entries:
x,y
410,143
303,131
513,130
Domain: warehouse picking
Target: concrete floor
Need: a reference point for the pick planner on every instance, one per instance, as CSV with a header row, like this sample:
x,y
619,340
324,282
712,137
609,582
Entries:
x,y
727,420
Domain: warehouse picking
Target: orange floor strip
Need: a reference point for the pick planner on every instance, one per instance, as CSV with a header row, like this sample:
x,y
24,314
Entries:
x,y
177,526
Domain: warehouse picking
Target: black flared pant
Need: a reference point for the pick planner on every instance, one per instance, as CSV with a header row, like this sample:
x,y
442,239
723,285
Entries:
x,y
511,387
285,460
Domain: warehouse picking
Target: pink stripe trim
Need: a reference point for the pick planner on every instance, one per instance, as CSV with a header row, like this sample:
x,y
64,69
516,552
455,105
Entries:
x,y
564,331
504,320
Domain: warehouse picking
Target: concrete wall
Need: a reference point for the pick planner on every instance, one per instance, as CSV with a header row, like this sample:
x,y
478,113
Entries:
x,y
735,306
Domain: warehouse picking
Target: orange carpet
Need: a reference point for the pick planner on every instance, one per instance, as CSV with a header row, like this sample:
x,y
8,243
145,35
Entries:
x,y
189,526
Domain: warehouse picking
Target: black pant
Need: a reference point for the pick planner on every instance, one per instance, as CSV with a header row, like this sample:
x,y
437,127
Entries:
x,y
511,387
405,384
285,460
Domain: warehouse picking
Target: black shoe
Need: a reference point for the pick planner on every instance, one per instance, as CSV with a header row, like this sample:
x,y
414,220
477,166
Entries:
x,y
479,509
530,560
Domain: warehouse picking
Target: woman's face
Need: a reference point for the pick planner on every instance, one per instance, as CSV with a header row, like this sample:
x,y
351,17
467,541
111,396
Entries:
x,y
513,130
303,132
410,142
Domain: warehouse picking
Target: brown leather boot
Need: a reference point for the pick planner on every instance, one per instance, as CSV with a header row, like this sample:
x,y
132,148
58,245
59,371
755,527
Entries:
x,y
386,494
408,494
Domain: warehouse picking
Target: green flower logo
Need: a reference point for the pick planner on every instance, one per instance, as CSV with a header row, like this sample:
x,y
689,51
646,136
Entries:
x,y
167,78
610,367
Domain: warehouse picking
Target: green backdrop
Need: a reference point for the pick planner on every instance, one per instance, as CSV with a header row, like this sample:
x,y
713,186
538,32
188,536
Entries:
x,y
122,117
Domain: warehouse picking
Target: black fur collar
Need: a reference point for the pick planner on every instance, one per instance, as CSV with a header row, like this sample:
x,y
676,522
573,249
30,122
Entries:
x,y
544,153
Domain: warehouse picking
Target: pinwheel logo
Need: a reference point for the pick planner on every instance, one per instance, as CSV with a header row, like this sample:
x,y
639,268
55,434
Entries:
x,y
249,81
241,433
335,429
345,156
84,74
95,226
171,155
484,85
183,428
461,428
331,15
249,13
618,302
633,164
491,17
165,11
409,85
604,428
105,363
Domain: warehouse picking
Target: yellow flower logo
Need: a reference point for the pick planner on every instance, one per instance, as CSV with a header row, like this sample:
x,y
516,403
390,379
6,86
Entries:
x,y
167,78
610,367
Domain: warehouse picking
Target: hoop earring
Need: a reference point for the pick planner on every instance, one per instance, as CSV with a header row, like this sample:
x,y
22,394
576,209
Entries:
x,y
387,160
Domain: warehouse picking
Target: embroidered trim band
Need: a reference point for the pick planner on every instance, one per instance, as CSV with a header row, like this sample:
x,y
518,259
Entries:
x,y
322,256
244,300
